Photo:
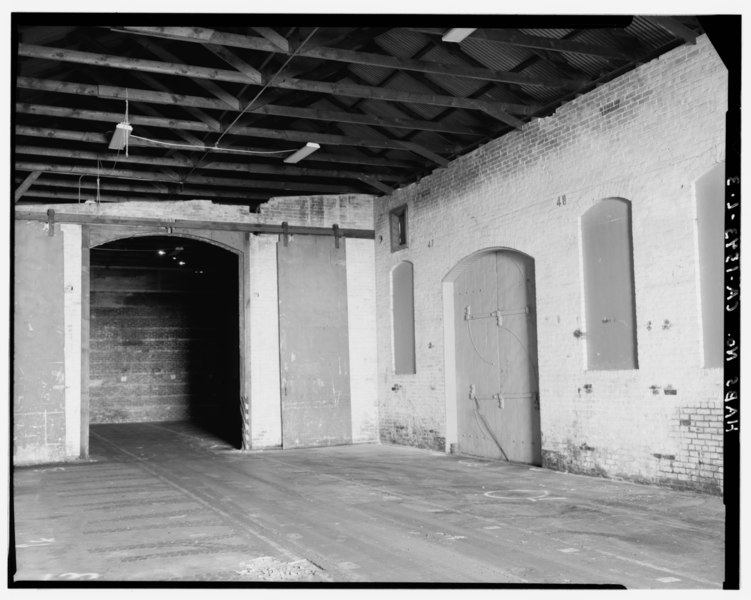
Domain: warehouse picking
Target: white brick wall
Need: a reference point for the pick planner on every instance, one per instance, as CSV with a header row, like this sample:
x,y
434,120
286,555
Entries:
x,y
666,133
261,314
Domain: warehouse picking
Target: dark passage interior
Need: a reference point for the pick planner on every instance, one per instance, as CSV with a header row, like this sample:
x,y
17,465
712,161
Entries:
x,y
165,334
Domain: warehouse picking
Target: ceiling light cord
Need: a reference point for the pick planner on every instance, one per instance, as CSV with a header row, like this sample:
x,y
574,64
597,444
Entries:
x,y
267,84
255,98
211,148
126,123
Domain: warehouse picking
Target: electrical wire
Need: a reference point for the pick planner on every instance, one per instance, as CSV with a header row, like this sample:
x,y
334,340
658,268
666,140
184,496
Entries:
x,y
481,420
212,148
255,98
472,341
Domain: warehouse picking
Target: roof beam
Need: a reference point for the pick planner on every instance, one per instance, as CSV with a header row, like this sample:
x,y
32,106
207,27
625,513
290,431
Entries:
x,y
152,188
391,95
134,64
199,35
209,86
77,217
151,175
171,161
278,40
202,35
236,62
164,98
371,181
119,93
104,197
26,184
181,125
423,66
339,116
337,89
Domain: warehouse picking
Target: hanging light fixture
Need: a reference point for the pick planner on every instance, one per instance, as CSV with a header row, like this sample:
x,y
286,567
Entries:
x,y
457,34
306,150
122,131
120,137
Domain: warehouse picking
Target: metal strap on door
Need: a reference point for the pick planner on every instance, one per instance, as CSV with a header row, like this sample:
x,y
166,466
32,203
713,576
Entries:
x,y
500,397
497,314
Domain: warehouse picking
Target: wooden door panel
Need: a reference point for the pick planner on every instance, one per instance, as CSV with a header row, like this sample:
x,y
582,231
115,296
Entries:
x,y
314,348
476,355
496,352
520,430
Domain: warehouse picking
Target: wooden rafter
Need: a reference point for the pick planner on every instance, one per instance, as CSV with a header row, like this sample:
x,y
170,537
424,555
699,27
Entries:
x,y
495,109
362,95
184,126
252,168
26,184
152,175
278,134
210,36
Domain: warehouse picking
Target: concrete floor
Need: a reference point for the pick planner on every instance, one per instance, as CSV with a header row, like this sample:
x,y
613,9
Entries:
x,y
168,502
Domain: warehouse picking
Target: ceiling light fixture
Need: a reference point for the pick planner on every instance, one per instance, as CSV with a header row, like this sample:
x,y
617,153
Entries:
x,y
457,34
120,137
306,150
122,131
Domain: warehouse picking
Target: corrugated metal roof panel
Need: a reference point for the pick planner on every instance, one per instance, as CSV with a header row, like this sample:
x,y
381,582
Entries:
x,y
388,110
371,75
456,86
401,42
500,57
590,65
548,33
649,33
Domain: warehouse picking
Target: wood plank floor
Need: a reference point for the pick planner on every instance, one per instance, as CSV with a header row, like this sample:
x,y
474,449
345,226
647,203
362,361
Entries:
x,y
169,502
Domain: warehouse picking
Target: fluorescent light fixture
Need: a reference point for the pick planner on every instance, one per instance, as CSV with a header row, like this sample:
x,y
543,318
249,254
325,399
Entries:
x,y
457,35
306,150
120,137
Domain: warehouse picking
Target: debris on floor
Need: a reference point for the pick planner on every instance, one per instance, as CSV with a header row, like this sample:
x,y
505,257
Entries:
x,y
267,568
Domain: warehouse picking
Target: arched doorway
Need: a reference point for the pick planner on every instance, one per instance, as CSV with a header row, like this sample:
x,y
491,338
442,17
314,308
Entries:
x,y
492,356
164,334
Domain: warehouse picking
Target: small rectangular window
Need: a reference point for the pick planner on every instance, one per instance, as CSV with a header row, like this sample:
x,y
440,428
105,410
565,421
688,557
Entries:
x,y
398,221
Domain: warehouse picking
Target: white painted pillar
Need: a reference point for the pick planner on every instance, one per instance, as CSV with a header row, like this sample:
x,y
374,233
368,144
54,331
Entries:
x,y
72,286
363,356
263,331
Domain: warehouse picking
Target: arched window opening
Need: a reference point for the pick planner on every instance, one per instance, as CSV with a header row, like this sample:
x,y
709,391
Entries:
x,y
610,308
403,307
